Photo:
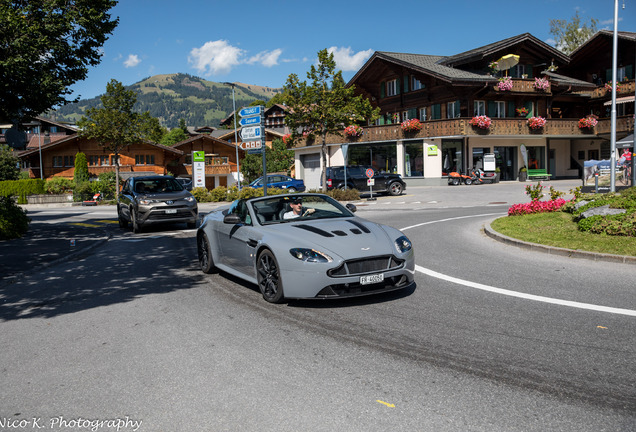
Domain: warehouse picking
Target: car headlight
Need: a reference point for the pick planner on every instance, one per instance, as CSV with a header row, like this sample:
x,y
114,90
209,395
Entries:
x,y
145,202
403,244
190,199
310,255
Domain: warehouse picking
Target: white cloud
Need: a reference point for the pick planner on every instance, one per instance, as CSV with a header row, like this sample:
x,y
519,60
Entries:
x,y
346,60
215,57
132,61
266,58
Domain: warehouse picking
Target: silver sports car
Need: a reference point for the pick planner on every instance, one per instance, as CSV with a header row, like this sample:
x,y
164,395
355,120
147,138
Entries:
x,y
304,246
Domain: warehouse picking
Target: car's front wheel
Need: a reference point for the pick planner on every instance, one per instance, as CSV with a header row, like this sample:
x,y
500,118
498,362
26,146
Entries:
x,y
395,189
206,262
268,274
291,189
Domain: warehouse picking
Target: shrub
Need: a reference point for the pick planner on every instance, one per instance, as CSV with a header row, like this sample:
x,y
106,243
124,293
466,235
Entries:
x,y
13,219
59,185
201,194
344,195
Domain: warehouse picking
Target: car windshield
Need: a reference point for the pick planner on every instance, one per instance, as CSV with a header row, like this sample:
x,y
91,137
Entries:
x,y
290,208
161,185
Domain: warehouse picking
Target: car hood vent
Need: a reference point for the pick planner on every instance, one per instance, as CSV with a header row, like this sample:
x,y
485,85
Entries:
x,y
314,230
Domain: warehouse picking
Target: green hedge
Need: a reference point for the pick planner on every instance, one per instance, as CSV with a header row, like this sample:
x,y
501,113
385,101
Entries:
x,y
22,188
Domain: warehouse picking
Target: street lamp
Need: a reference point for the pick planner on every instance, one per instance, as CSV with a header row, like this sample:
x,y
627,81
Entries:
x,y
238,171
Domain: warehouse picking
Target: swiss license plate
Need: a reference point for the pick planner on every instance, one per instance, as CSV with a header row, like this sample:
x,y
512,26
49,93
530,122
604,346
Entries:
x,y
371,279
171,211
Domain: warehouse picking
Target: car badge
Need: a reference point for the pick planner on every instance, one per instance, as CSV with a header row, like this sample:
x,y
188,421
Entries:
x,y
169,202
366,248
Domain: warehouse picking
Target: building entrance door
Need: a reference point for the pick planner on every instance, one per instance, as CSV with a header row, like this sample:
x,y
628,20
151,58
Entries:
x,y
506,161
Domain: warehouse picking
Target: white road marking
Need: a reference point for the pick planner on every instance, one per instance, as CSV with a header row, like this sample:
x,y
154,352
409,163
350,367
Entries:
x,y
510,293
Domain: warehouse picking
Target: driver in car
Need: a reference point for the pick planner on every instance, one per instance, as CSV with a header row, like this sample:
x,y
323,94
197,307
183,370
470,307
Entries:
x,y
297,210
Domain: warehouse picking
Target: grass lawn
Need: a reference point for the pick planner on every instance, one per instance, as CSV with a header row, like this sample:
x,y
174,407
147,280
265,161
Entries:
x,y
557,229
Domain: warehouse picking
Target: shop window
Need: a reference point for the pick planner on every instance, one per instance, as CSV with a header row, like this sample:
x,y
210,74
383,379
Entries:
x,y
382,158
452,156
414,160
536,157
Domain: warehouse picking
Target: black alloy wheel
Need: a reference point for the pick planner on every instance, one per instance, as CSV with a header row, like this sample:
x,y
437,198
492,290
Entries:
x,y
268,275
123,223
136,227
206,262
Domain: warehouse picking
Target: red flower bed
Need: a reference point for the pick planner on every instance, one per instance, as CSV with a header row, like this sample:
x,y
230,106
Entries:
x,y
536,207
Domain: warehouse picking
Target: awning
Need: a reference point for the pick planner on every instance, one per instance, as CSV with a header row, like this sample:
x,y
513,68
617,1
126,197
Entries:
x,y
620,100
627,142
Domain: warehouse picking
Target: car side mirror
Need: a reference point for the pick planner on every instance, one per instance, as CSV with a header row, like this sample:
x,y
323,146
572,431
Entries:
x,y
232,219
351,207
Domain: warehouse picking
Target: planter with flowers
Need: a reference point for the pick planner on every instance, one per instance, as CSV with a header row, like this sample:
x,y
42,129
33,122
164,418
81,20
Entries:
x,y
586,124
481,122
411,126
504,84
522,112
536,123
541,84
353,131
287,139
609,86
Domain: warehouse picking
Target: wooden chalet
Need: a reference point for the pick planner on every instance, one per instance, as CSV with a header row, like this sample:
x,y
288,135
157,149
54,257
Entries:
x,y
58,158
446,93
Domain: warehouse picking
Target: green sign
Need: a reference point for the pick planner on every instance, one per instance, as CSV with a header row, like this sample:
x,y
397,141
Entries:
x,y
198,156
431,150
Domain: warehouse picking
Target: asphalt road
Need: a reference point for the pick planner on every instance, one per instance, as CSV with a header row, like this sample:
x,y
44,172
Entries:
x,y
492,338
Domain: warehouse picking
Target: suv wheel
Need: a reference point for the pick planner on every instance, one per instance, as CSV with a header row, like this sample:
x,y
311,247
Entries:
x,y
395,189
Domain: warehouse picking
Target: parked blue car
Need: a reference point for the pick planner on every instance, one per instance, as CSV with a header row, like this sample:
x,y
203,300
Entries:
x,y
281,182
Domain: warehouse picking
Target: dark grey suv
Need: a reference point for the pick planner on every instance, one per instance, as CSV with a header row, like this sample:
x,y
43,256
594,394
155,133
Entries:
x,y
155,199
357,179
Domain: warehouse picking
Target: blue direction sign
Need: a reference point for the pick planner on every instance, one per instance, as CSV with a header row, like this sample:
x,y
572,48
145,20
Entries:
x,y
251,133
247,121
250,111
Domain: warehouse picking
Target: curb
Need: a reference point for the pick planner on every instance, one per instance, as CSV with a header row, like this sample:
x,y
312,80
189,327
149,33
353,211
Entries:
x,y
552,250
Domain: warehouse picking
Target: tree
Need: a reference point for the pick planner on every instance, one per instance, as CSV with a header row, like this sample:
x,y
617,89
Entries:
x,y
151,129
325,105
80,173
114,125
570,35
174,136
183,126
45,47
9,164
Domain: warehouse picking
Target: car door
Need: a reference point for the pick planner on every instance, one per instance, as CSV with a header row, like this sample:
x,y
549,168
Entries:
x,y
236,241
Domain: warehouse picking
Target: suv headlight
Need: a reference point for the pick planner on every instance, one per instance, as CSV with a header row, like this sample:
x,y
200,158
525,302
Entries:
x,y
310,255
403,244
190,199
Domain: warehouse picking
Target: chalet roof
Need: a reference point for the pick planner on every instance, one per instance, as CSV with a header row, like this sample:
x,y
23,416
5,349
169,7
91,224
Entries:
x,y
429,64
204,137
36,140
568,81
603,34
495,48
75,137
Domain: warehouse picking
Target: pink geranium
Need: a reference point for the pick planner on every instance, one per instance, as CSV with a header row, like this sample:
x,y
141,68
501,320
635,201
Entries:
x,y
536,207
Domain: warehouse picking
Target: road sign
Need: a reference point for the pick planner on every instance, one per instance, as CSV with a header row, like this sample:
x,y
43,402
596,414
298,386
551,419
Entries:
x,y
251,145
369,172
247,121
251,133
250,111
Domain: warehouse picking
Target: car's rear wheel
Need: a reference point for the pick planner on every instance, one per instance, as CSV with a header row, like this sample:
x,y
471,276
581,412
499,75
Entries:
x,y
395,189
136,226
268,274
123,223
206,262
291,189
468,181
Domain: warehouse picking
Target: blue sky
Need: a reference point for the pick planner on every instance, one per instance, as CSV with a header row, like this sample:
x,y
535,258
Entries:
x,y
262,42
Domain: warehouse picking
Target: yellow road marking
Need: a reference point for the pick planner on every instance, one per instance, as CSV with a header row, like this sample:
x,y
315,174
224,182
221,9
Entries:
x,y
108,221
85,225
601,327
390,405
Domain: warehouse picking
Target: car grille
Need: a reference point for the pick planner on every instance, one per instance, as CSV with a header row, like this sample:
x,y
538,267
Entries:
x,y
356,289
366,265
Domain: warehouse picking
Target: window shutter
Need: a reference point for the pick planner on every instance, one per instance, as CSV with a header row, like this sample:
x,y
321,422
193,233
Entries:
x,y
629,71
457,108
412,113
397,86
528,106
406,83
529,71
608,75
382,89
511,109
436,111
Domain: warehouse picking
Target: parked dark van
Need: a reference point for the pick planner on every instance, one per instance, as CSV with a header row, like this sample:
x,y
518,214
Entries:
x,y
357,179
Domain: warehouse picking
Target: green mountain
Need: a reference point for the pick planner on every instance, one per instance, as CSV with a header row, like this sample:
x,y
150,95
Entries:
x,y
176,96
